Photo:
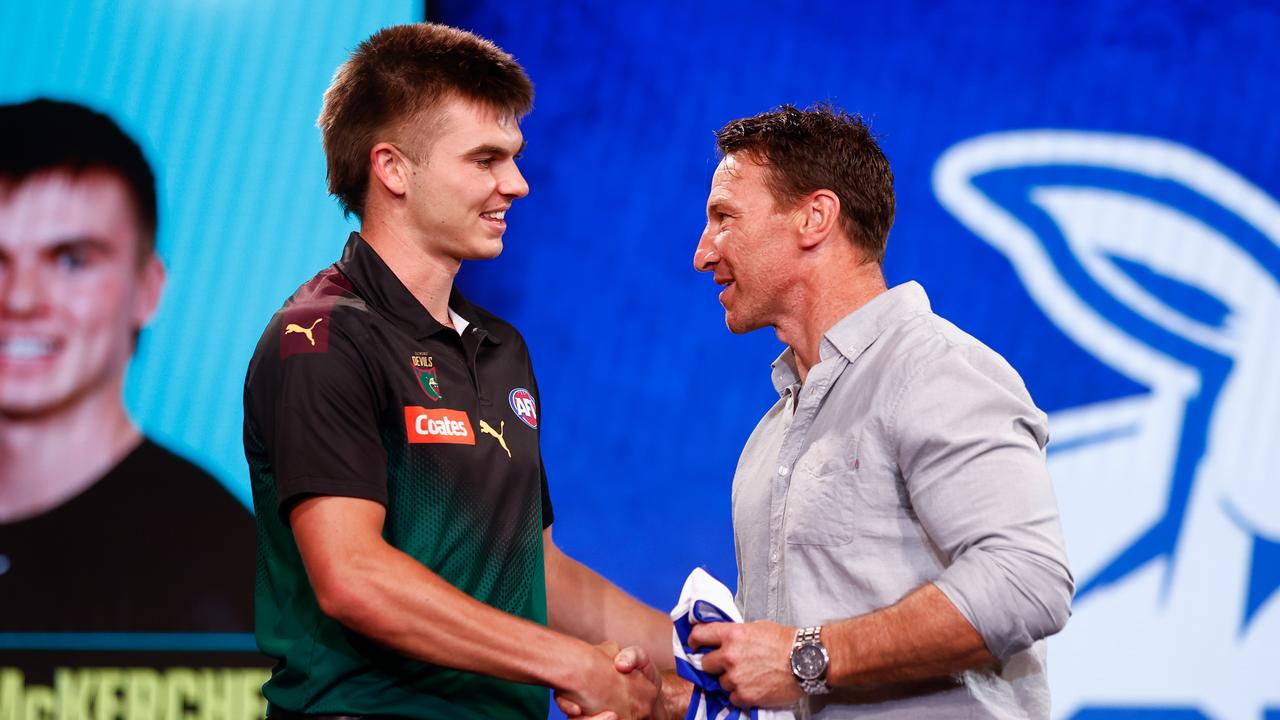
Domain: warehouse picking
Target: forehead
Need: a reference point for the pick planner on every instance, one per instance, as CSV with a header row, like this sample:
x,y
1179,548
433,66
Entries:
x,y
461,125
739,180
58,206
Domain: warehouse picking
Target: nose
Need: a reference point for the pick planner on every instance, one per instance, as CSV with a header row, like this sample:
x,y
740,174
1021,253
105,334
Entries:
x,y
511,182
705,256
22,290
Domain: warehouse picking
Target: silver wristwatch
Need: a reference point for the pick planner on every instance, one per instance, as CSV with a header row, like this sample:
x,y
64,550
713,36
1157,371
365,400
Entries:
x,y
809,660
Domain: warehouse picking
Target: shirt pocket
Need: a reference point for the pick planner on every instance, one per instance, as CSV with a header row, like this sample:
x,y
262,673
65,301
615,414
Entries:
x,y
821,497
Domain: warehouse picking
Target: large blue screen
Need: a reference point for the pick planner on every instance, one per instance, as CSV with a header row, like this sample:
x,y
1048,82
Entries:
x,y
1089,188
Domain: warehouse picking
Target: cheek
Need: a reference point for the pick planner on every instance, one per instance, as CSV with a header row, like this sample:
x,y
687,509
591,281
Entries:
x,y
102,300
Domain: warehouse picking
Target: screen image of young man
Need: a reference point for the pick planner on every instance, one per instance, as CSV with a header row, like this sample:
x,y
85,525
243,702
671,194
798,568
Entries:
x,y
101,529
407,566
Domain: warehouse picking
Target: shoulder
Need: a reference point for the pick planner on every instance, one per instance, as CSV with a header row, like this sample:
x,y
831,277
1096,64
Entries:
x,y
927,345
322,317
150,457
171,480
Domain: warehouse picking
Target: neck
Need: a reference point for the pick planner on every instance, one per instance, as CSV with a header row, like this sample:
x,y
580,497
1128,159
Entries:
x,y
827,298
38,473
428,276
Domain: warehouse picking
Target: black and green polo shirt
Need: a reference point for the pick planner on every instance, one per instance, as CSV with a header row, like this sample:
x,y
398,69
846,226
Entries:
x,y
354,390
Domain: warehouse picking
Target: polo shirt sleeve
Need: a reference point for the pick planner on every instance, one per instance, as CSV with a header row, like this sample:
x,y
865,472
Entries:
x,y
971,450
324,439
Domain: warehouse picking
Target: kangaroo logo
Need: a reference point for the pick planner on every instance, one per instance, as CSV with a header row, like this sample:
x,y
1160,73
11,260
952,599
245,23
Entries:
x,y
1165,265
487,429
296,328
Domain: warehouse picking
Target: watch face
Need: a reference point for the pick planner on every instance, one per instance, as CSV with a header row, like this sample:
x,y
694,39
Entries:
x,y
808,662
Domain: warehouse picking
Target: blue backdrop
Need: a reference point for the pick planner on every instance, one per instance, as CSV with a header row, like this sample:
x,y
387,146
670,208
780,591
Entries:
x,y
1089,188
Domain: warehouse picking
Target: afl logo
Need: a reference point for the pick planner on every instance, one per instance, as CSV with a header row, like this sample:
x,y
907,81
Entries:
x,y
522,405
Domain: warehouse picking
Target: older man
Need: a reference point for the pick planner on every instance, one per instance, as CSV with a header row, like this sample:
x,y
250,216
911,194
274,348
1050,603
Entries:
x,y
898,541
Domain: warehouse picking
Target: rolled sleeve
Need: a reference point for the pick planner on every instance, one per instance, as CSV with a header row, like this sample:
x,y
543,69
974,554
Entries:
x,y
971,450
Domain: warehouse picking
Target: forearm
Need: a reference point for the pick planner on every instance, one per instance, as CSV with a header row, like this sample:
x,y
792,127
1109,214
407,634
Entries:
x,y
921,636
401,604
583,604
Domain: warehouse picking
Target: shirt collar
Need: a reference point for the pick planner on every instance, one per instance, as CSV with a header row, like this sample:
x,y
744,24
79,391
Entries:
x,y
382,290
855,332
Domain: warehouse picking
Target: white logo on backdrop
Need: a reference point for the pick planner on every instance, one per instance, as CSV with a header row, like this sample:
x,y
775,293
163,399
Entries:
x,y
1165,266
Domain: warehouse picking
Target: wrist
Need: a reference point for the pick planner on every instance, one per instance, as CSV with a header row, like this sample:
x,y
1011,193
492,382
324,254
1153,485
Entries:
x,y
577,665
810,661
676,692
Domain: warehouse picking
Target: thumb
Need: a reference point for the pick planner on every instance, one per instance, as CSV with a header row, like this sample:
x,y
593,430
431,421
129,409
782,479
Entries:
x,y
631,658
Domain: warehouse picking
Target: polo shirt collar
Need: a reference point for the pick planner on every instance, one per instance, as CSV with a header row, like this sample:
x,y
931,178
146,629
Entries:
x,y
383,291
855,332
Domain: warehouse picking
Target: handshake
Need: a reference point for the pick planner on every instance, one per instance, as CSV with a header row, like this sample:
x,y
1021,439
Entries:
x,y
749,663
618,684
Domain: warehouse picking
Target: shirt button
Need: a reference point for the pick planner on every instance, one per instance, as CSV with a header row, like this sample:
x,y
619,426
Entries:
x,y
782,470
774,556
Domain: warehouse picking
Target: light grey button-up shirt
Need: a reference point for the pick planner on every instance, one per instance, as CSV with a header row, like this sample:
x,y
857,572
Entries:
x,y
912,453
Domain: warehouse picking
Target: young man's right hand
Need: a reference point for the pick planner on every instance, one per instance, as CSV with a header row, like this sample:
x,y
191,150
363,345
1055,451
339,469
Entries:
x,y
630,687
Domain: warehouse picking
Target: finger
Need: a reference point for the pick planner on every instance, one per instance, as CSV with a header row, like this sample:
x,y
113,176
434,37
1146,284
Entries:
x,y
568,707
609,648
705,635
606,715
713,663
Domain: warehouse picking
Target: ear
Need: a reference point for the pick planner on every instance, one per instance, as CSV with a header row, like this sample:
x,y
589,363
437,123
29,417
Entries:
x,y
150,285
390,168
816,216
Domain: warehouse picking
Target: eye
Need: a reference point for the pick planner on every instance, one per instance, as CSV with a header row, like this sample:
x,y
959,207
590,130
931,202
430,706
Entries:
x,y
73,257
484,163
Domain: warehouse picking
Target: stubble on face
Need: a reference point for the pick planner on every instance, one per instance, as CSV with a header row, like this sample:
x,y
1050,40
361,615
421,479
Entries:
x,y
748,235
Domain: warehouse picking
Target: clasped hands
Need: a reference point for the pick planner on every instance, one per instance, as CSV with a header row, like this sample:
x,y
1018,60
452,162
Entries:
x,y
619,684
751,662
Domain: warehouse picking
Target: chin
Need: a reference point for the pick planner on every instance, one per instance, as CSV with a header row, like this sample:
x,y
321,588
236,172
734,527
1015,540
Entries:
x,y
739,325
486,250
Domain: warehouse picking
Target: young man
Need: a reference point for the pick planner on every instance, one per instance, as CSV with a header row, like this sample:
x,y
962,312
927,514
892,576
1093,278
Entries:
x,y
406,564
899,546
101,530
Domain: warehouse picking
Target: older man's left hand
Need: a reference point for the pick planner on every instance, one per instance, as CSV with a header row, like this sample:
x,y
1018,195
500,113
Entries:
x,y
753,661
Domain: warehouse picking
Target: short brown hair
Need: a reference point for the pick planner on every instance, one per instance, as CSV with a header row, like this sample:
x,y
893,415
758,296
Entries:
x,y
821,148
396,75
45,135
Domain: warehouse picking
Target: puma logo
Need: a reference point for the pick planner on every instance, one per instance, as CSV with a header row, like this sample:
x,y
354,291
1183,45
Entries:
x,y
487,429
296,328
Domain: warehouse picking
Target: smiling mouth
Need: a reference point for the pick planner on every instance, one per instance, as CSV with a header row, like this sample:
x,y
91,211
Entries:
x,y
26,349
495,215
725,284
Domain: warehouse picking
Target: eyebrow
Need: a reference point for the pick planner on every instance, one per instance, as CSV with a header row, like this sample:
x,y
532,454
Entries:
x,y
719,204
85,242
489,149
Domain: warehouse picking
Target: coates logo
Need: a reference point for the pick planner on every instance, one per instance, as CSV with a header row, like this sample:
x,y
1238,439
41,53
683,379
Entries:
x,y
1165,265
523,406
424,425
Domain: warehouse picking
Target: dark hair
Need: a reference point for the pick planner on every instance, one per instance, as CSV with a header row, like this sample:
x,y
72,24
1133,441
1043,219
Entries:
x,y
821,148
47,135
396,76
